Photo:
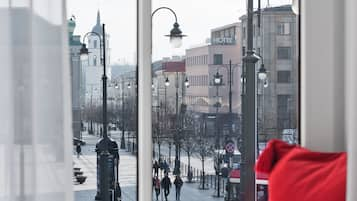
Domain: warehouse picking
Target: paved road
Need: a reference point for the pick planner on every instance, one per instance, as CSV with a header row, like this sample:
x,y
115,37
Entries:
x,y
127,176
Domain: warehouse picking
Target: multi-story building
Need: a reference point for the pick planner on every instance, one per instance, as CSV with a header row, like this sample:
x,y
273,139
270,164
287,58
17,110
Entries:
x,y
93,67
76,72
277,43
202,64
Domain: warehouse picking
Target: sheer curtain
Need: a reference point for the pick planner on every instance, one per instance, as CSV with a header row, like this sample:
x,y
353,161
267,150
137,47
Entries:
x,y
351,96
35,128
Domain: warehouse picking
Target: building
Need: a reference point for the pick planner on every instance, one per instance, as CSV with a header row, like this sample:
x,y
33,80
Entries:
x,y
93,67
202,64
76,77
277,43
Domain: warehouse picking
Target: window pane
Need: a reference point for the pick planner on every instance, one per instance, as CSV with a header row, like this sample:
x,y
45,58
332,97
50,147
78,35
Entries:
x,y
87,98
284,76
284,53
217,59
197,128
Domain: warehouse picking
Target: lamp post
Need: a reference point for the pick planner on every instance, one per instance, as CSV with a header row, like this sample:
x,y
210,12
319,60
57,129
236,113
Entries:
x,y
249,137
217,81
107,150
122,141
177,125
167,84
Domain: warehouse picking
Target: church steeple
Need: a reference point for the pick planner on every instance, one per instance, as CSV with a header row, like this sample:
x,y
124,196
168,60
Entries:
x,y
98,17
98,27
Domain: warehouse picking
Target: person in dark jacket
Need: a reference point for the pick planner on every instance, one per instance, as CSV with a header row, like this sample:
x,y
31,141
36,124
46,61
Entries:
x,y
78,149
157,187
166,185
178,184
156,167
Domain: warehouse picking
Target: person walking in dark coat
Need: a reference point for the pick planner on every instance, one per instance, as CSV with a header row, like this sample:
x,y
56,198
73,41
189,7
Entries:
x,y
166,185
178,184
157,187
156,167
78,149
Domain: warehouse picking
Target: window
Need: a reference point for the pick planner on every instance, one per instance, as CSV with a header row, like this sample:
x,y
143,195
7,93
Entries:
x,y
243,51
283,114
283,28
284,76
95,44
284,53
217,59
94,60
244,32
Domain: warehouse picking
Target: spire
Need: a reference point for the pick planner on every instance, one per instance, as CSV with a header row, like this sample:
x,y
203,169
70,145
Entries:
x,y
98,27
98,17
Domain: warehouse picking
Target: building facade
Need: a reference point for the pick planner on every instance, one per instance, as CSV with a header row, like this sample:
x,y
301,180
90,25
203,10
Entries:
x,y
277,42
222,56
76,77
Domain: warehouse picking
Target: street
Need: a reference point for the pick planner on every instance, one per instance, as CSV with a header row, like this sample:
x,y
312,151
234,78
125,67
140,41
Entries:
x,y
127,176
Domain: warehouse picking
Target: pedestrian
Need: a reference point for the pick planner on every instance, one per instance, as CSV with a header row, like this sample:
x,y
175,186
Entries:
x,y
166,167
156,167
78,149
178,184
157,187
166,185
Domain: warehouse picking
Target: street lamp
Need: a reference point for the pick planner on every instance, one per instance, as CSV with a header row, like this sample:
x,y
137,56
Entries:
x,y
217,81
187,84
107,149
178,127
175,33
167,82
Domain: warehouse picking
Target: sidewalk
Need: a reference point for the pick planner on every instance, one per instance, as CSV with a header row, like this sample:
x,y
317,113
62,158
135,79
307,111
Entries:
x,y
127,176
87,162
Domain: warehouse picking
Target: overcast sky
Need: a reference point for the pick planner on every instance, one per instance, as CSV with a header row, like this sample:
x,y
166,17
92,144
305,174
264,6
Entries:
x,y
196,19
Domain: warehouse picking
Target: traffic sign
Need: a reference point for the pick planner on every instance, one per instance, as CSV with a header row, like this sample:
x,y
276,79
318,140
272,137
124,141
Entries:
x,y
230,147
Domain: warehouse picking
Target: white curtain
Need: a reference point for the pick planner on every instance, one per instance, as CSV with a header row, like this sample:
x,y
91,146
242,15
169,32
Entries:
x,y
351,96
35,116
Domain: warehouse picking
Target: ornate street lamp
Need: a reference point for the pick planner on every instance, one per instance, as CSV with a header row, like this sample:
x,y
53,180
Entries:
x,y
175,33
107,149
262,74
167,82
187,84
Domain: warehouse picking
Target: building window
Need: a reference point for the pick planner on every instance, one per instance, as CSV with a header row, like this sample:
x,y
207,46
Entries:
x,y
244,33
284,76
217,59
95,44
283,111
284,53
94,60
283,28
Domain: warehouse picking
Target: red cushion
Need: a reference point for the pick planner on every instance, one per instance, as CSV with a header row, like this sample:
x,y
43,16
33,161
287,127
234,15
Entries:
x,y
297,174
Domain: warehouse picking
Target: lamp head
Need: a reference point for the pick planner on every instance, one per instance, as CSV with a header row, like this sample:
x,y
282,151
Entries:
x,y
167,82
84,52
262,74
217,79
176,36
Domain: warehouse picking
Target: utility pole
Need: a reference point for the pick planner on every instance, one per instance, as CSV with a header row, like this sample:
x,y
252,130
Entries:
x,y
248,187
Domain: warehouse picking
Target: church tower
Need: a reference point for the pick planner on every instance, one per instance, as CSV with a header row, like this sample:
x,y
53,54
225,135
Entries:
x,y
94,67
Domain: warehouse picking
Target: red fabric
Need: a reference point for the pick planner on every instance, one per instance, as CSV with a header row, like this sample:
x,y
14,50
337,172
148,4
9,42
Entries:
x,y
297,174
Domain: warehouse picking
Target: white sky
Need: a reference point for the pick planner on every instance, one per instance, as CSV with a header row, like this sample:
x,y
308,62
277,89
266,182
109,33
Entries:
x,y
196,19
